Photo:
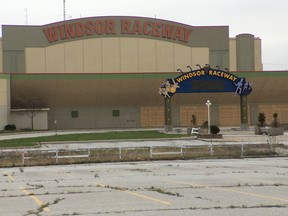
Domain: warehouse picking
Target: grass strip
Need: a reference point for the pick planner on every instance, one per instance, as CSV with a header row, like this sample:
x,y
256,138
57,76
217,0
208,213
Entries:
x,y
25,142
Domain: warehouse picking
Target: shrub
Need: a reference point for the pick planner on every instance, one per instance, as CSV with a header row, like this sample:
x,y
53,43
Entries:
x,y
275,122
214,129
10,127
205,125
261,119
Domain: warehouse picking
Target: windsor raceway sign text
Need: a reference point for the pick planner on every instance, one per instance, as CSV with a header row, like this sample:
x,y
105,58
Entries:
x,y
205,80
109,27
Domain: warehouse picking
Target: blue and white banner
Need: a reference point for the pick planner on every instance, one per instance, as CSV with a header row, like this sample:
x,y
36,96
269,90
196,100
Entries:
x,y
205,80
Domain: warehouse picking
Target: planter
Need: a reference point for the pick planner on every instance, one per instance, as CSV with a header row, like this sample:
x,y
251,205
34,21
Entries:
x,y
209,136
203,131
275,131
258,130
261,130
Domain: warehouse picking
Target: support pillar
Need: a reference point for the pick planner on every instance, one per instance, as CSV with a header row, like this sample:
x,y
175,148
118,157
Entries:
x,y
244,112
168,115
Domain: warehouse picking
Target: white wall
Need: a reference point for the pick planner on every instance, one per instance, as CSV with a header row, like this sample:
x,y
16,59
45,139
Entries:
x,y
22,121
1,57
4,100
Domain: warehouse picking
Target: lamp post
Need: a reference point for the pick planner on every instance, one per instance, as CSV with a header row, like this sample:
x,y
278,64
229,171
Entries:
x,y
208,104
55,122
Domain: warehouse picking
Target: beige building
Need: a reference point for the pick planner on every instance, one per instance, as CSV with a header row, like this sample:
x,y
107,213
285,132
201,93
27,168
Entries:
x,y
104,72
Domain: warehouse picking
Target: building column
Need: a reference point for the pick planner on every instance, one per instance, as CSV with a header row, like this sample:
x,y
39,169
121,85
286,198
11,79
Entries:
x,y
168,115
244,112
245,52
4,100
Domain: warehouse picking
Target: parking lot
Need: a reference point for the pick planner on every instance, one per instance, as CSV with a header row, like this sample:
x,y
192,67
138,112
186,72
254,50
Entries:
x,y
200,187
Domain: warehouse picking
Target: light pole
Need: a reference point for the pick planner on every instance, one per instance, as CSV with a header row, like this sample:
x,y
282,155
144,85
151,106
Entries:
x,y
55,122
208,104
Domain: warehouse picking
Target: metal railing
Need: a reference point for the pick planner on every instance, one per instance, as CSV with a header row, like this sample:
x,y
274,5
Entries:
x,y
32,157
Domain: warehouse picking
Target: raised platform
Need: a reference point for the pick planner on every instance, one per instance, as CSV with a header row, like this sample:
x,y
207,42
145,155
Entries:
x,y
209,136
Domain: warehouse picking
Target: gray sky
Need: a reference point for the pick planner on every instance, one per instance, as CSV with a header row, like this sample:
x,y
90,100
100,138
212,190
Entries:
x,y
266,19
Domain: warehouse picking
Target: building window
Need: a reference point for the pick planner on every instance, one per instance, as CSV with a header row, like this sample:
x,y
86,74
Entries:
x,y
115,113
74,114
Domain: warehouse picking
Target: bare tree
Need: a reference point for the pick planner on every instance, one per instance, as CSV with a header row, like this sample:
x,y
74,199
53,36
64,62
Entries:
x,y
32,105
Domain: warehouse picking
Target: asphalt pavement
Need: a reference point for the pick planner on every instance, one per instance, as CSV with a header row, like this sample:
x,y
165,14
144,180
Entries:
x,y
227,187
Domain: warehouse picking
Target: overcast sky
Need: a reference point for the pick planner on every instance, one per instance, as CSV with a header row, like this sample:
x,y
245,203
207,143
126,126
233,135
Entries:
x,y
266,19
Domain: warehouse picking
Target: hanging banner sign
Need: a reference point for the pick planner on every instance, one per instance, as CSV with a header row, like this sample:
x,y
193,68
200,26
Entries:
x,y
205,80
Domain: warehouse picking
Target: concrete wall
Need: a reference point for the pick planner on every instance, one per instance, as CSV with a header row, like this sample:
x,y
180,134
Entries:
x,y
95,96
94,117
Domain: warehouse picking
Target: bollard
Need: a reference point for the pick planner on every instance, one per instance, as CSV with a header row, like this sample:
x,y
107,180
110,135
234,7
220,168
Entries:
x,y
120,153
211,149
242,150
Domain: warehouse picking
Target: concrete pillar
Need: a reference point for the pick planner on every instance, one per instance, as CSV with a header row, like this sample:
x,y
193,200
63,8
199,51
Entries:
x,y
168,115
245,52
244,113
4,100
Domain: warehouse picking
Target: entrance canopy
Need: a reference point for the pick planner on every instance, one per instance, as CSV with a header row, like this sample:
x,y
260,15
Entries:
x,y
205,80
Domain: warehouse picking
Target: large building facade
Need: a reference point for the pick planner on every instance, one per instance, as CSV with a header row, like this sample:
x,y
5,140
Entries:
x,y
104,72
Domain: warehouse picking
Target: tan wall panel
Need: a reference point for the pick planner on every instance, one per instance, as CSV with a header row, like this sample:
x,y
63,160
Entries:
x,y
258,55
152,116
129,55
269,110
114,55
111,55
183,57
165,57
186,113
93,56
55,59
232,54
74,57
147,55
229,115
35,60
1,57
200,55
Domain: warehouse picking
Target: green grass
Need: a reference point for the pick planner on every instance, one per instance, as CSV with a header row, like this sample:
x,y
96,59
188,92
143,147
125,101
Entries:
x,y
88,136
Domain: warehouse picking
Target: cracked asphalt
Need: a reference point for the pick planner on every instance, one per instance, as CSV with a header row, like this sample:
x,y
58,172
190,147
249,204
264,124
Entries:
x,y
256,186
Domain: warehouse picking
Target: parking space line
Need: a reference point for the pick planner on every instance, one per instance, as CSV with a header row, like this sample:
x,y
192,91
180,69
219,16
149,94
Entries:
x,y
146,197
231,191
37,200
138,195
251,194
